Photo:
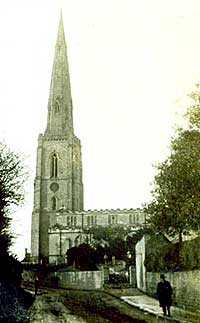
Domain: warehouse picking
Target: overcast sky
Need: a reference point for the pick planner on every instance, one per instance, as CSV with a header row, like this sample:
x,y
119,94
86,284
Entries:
x,y
132,64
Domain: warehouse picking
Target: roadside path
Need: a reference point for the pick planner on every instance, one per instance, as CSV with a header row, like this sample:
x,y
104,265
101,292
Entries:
x,y
150,305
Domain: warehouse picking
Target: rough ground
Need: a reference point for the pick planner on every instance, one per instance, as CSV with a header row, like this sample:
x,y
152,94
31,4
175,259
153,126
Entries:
x,y
50,309
68,306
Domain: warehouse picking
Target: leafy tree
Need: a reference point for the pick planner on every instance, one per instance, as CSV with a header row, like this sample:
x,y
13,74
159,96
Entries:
x,y
193,111
109,233
12,178
111,240
116,241
82,257
175,208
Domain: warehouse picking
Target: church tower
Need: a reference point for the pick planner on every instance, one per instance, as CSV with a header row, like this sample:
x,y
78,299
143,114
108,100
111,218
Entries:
x,y
58,182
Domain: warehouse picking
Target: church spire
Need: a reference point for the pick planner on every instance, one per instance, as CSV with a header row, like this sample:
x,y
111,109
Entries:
x,y
60,120
61,33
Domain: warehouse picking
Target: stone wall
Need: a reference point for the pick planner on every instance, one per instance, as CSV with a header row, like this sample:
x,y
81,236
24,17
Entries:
x,y
185,284
85,280
88,280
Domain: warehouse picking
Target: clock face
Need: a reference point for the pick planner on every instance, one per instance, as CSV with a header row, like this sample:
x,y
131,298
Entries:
x,y
54,187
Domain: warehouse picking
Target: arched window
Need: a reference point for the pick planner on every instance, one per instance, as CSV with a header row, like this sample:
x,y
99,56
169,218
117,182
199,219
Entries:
x,y
57,106
54,203
54,165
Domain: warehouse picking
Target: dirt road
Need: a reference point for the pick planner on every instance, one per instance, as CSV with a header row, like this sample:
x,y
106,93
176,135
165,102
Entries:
x,y
68,306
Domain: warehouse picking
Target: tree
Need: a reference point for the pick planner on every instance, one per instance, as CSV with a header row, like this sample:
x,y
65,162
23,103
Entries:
x,y
12,178
116,241
193,111
82,257
175,208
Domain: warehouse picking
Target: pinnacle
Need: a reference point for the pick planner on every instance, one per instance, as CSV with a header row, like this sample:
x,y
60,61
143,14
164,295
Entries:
x,y
61,34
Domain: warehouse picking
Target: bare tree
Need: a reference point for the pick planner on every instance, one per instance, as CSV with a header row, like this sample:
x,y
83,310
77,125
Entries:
x,y
12,178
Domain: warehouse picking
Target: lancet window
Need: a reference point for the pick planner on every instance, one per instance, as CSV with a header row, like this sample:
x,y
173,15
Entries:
x,y
54,165
54,203
57,106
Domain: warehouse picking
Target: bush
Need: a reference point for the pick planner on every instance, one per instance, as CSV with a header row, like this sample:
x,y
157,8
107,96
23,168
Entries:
x,y
11,270
156,250
172,257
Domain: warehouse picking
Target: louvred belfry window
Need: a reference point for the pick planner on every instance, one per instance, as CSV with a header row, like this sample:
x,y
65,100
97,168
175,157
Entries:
x,y
54,166
57,105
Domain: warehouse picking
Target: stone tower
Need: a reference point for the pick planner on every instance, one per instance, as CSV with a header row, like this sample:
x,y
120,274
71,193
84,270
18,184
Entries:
x,y
58,182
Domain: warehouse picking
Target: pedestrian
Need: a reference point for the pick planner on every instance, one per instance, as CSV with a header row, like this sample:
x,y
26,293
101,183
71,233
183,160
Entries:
x,y
164,293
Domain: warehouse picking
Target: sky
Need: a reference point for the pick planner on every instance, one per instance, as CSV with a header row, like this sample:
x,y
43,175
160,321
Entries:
x,y
132,64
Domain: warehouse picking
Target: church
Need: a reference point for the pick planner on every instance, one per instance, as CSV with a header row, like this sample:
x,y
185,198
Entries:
x,y
59,220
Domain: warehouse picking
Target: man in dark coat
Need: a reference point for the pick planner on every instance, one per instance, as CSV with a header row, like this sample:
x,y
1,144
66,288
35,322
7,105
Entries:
x,y
164,293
